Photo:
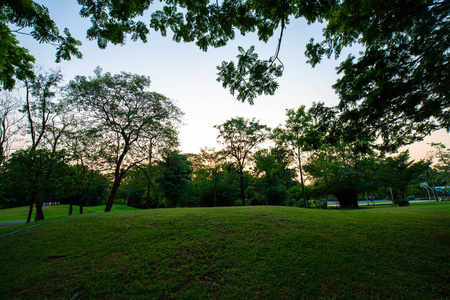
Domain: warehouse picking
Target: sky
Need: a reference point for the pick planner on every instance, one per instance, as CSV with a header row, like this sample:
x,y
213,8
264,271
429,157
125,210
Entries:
x,y
187,75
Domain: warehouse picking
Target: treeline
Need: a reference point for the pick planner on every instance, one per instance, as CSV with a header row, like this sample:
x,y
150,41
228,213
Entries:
x,y
107,139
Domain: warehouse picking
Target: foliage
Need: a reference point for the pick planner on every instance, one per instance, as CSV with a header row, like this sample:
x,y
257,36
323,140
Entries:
x,y
16,62
273,175
221,188
175,178
240,137
399,172
345,172
89,188
251,77
404,44
208,24
215,182
122,117
397,88
442,154
323,203
140,188
34,176
442,168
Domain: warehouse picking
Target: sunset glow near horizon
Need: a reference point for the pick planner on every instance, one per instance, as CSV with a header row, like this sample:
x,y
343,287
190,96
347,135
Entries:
x,y
184,73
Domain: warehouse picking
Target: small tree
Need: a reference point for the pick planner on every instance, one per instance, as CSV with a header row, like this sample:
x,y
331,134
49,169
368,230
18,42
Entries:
x,y
40,106
275,177
175,177
37,173
240,137
442,153
399,172
294,136
215,182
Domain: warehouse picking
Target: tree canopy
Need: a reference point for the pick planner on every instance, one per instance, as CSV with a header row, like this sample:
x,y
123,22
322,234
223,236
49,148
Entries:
x,y
121,116
396,89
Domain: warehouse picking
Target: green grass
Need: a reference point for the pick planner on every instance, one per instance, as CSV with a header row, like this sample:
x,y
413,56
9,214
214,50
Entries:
x,y
56,211
233,253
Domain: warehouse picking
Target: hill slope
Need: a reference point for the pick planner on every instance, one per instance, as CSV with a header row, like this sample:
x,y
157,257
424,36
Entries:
x,y
231,253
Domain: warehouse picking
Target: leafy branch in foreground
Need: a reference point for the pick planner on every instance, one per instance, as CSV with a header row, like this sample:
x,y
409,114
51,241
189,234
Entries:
x,y
396,90
15,61
251,77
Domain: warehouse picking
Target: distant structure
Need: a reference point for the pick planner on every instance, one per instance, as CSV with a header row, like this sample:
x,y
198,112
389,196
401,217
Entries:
x,y
443,192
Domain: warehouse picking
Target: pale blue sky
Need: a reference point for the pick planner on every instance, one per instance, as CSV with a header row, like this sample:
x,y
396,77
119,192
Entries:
x,y
182,72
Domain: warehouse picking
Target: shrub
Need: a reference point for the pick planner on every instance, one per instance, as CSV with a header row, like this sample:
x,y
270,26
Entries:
x,y
323,203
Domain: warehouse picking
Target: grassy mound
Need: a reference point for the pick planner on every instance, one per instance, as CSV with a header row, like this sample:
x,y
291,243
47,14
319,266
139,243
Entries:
x,y
233,253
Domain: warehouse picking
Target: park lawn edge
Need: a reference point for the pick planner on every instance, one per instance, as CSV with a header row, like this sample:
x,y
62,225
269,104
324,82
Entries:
x,y
243,252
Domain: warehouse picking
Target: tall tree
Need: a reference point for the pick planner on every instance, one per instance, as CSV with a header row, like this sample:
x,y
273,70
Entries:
x,y
120,110
294,135
8,122
240,137
345,167
439,173
442,153
160,139
40,107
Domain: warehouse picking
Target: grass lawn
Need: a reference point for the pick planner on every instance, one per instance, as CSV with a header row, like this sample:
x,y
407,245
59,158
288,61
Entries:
x,y
55,211
263,252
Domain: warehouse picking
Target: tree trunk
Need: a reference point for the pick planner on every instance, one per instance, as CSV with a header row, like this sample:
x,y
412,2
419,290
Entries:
x,y
147,197
30,212
242,187
39,211
71,206
32,202
80,202
215,193
348,198
299,153
112,195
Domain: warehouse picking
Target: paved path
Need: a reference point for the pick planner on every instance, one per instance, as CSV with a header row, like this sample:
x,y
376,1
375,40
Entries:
x,y
9,223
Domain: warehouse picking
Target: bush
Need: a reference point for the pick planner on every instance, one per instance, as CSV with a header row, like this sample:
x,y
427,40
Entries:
x,y
401,202
323,204
277,195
